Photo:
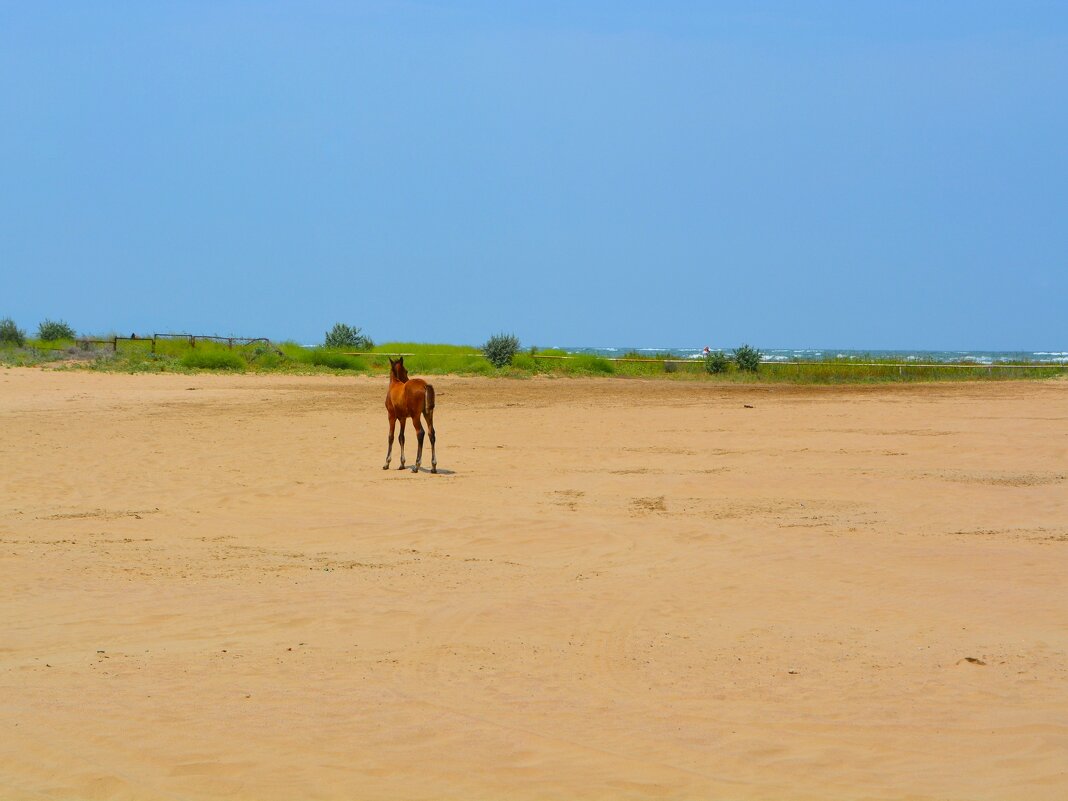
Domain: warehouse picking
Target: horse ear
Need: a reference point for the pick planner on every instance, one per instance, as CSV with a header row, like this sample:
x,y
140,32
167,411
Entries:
x,y
391,362
400,360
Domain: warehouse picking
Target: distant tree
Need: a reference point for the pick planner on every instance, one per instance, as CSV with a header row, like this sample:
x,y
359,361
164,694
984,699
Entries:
x,y
347,336
11,334
747,359
51,330
500,348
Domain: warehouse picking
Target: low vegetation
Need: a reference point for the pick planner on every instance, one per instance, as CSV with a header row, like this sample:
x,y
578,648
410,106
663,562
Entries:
x,y
211,358
321,357
743,365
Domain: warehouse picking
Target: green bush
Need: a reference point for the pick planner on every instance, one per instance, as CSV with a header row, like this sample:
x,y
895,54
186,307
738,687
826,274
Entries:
x,y
500,349
717,362
524,361
265,355
213,359
51,330
595,364
586,364
11,334
646,356
138,361
326,358
267,359
347,336
747,359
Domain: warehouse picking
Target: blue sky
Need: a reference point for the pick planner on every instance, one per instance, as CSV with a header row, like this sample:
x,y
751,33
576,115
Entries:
x,y
824,174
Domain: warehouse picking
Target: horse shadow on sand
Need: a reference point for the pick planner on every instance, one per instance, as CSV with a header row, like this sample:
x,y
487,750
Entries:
x,y
441,470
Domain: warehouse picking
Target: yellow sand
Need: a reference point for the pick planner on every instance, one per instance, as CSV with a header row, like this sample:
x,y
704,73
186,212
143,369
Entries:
x,y
619,589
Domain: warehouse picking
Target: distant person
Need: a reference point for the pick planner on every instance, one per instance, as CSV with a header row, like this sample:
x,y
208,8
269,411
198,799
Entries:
x,y
706,351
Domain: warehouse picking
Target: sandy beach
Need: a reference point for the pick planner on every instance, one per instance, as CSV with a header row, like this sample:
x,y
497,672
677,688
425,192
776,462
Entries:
x,y
615,589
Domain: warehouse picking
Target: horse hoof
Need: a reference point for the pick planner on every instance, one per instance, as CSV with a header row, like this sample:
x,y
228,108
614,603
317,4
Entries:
x,y
415,469
433,470
385,467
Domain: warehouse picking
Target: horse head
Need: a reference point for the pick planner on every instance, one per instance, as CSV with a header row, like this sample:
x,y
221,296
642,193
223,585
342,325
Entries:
x,y
397,370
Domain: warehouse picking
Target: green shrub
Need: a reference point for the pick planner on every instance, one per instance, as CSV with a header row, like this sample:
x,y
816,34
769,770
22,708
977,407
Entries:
x,y
717,362
586,364
265,355
648,356
347,336
51,330
138,361
326,358
747,359
595,364
268,360
11,334
524,361
500,349
213,359
480,367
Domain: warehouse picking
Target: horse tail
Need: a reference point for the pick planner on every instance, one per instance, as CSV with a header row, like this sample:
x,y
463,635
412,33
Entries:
x,y
428,399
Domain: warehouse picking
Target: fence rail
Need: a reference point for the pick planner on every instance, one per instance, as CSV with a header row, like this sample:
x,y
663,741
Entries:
x,y
231,341
192,338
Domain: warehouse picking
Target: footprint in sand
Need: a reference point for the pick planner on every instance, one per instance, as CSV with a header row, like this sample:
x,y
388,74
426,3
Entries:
x,y
640,506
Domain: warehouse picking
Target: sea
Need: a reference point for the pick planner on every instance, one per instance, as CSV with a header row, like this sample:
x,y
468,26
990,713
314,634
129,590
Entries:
x,y
820,354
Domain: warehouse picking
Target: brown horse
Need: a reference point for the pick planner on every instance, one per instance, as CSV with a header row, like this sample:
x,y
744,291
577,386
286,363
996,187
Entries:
x,y
410,397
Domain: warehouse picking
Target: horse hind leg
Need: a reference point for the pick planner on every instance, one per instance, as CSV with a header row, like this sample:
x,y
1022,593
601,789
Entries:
x,y
429,415
389,451
419,435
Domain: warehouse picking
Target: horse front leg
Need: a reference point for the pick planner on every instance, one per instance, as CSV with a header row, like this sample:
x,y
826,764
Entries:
x,y
389,451
400,439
